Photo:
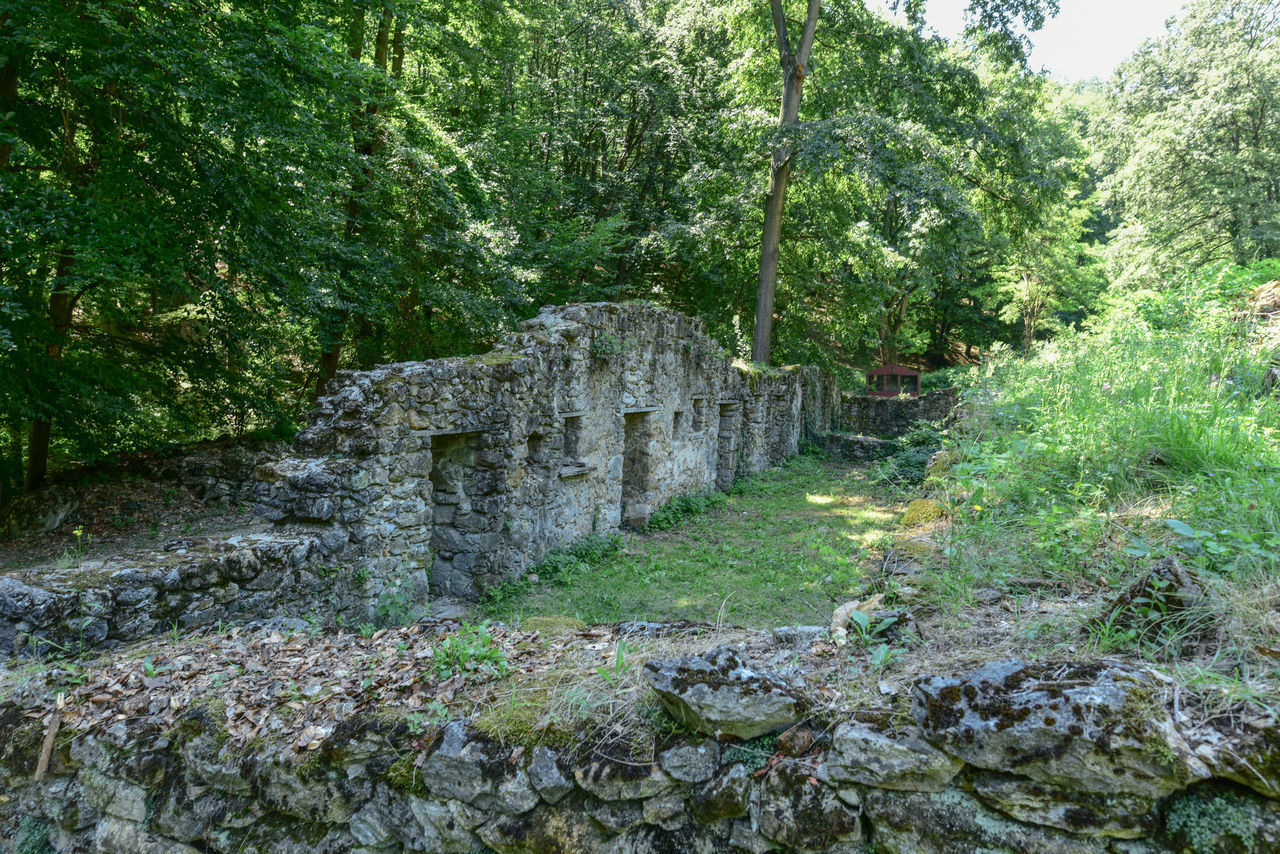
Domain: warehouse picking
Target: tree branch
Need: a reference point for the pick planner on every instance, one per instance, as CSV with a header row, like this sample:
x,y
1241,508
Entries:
x,y
806,39
780,30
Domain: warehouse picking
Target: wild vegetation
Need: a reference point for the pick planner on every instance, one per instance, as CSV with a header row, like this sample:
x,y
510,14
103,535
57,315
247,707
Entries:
x,y
1055,503
213,207
209,209
806,528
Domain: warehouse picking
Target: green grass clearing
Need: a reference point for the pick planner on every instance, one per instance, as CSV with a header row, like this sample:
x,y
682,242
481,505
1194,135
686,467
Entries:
x,y
787,546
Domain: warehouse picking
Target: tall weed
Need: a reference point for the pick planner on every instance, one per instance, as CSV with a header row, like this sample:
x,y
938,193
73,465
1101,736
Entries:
x,y
1158,402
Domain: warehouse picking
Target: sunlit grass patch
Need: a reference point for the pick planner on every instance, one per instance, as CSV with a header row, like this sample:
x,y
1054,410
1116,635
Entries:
x,y
785,547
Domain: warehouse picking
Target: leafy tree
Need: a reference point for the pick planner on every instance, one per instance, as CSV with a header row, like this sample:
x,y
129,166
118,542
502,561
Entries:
x,y
1052,272
152,148
993,22
215,207
1199,143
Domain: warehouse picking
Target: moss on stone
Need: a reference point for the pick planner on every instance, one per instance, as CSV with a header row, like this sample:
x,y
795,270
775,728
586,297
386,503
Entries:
x,y
407,777
496,357
1212,822
33,836
941,462
526,720
922,511
205,716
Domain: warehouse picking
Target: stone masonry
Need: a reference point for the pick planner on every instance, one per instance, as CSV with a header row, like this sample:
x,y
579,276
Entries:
x,y
451,475
865,415
586,420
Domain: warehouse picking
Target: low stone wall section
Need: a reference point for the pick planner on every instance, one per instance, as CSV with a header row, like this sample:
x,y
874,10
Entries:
x,y
1014,757
192,582
450,475
893,416
849,447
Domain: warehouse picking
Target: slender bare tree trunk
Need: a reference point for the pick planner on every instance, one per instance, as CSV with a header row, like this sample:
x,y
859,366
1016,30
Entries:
x,y
60,307
334,327
397,49
368,142
793,64
1030,314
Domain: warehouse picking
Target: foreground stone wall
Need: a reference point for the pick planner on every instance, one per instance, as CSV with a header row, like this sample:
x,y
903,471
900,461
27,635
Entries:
x,y
894,416
586,420
1013,757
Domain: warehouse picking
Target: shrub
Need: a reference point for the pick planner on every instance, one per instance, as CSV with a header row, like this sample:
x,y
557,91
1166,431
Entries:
x,y
470,652
681,507
558,566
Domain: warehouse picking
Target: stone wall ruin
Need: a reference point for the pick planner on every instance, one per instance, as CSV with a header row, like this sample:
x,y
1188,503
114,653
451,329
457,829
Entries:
x,y
588,419
1010,757
451,475
866,415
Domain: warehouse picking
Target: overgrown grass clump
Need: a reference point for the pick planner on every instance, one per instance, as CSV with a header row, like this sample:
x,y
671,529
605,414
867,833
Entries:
x,y
1150,433
681,507
907,468
1150,430
559,567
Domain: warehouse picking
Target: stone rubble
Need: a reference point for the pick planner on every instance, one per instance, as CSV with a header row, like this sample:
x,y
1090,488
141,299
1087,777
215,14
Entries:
x,y
954,782
718,694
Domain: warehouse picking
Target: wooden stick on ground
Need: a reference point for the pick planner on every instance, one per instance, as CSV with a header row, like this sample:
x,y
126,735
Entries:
x,y
46,750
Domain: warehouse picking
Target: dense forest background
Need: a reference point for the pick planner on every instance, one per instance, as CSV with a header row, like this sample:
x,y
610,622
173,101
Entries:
x,y
208,208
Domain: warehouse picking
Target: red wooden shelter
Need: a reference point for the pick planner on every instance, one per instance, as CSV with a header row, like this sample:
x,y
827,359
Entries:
x,y
893,380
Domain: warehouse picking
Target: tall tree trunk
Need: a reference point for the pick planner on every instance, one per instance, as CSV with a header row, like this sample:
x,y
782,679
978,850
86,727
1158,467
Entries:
x,y
1030,315
793,64
60,306
397,49
333,328
362,138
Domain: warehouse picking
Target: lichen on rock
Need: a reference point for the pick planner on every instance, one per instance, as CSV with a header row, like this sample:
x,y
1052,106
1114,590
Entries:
x,y
1080,726
720,695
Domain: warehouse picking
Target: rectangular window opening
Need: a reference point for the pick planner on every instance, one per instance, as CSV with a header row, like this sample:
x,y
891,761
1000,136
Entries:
x,y
573,439
699,414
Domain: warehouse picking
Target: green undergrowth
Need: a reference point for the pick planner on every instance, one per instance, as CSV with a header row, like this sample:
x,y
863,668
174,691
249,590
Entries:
x,y
682,507
907,468
753,754
1205,820
782,547
1148,434
33,836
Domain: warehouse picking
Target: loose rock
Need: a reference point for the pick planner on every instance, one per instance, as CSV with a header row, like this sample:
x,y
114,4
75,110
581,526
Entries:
x,y
1083,727
953,822
904,761
692,763
718,694
1088,814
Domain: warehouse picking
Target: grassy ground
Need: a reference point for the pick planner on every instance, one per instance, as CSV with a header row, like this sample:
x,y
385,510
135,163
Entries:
x,y
784,548
1151,435
1074,474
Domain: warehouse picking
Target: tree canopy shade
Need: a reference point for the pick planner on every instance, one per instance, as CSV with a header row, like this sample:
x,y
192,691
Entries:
x,y
200,189
151,175
209,208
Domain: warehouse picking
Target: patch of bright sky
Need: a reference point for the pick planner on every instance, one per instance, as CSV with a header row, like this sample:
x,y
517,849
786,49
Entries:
x,y
1088,38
